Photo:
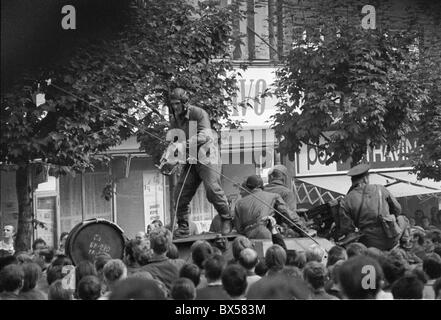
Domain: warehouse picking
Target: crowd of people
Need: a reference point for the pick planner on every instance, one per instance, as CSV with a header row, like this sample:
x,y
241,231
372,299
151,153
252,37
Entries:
x,y
152,269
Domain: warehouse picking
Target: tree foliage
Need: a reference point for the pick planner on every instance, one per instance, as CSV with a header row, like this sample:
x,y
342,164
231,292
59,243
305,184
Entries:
x,y
344,88
112,84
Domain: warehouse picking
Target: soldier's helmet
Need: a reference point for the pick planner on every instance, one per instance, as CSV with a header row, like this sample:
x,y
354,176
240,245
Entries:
x,y
179,94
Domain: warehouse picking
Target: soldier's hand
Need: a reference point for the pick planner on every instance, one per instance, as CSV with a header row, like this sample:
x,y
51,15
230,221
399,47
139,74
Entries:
x,y
270,222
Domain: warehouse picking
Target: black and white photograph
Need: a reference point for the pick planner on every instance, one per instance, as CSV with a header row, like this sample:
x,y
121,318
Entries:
x,y
220,154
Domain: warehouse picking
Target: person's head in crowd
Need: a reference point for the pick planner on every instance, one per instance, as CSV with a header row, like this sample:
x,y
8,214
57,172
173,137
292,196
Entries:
x,y
89,288
172,251
355,249
200,251
183,289
23,257
314,253
432,266
47,254
32,273
419,215
293,271
7,260
63,238
61,260
254,182
296,258
154,225
374,253
234,281
216,250
12,278
315,275
334,270
131,252
54,273
437,289
192,272
58,292
213,268
100,262
261,268
425,223
239,244
420,274
275,258
412,222
145,275
114,270
140,274
360,277
140,236
159,241
408,287
8,232
279,287
335,254
84,268
38,245
137,289
393,269
248,259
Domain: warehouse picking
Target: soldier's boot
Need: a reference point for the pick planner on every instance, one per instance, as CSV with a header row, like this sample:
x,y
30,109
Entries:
x,y
183,229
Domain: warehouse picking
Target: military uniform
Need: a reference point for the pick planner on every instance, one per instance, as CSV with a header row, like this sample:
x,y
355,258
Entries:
x,y
198,172
282,187
249,212
364,214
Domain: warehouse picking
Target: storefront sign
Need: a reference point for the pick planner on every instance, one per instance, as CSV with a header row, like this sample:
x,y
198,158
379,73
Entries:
x,y
311,160
252,85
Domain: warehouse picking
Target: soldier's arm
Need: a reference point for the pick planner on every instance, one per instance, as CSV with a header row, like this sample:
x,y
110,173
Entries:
x,y
394,205
291,200
203,127
345,221
281,206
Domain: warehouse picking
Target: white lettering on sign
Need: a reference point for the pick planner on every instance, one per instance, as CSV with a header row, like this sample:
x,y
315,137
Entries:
x,y
97,246
249,105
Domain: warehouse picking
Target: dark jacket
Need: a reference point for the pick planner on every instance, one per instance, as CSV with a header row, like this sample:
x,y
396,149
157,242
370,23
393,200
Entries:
x,y
33,294
196,114
163,269
366,216
212,292
249,211
277,186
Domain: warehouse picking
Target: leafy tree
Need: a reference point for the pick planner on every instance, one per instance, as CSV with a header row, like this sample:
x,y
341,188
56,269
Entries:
x,y
344,88
427,157
111,85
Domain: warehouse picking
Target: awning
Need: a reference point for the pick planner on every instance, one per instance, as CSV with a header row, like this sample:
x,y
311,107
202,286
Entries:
x,y
399,183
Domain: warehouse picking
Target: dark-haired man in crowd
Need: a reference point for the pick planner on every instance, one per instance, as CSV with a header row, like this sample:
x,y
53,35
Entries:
x,y
160,266
11,280
214,266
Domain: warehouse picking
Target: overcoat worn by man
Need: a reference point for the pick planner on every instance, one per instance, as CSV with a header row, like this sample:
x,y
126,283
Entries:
x,y
363,206
183,116
279,182
251,210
